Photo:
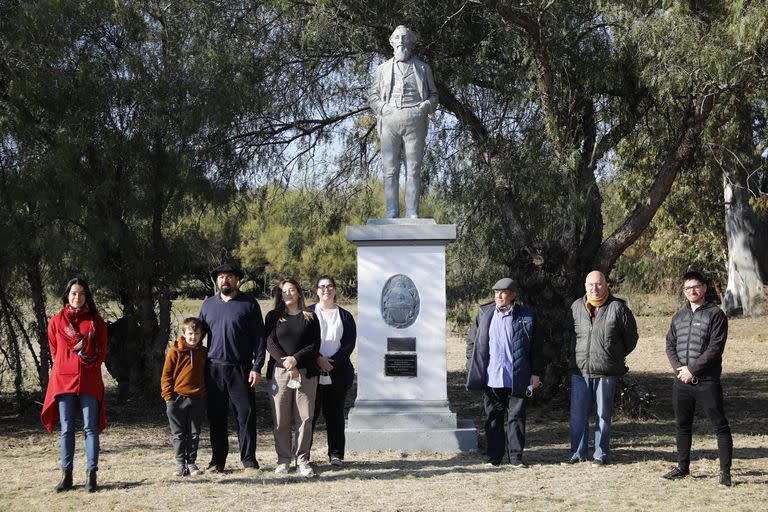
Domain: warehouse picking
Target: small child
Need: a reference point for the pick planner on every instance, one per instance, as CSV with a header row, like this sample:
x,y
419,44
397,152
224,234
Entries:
x,y
183,387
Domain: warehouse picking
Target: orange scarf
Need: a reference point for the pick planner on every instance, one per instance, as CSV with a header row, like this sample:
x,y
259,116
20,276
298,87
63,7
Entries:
x,y
593,304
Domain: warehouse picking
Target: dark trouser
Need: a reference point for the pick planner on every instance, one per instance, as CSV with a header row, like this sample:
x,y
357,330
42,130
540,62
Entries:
x,y
709,395
185,416
330,400
497,402
228,384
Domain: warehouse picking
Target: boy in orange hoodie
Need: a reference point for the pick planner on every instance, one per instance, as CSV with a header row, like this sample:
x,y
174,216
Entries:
x,y
183,388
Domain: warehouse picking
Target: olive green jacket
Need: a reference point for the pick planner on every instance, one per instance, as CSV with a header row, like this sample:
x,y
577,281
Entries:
x,y
599,349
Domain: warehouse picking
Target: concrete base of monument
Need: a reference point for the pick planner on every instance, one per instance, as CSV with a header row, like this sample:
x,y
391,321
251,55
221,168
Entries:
x,y
407,426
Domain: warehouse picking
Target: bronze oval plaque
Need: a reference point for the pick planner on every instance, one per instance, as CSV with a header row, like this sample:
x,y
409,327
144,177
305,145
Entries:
x,y
400,301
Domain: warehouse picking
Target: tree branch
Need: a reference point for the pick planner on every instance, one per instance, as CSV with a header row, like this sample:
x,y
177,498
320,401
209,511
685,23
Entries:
x,y
692,124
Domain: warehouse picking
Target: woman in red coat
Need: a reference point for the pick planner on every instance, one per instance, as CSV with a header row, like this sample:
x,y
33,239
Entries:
x,y
77,337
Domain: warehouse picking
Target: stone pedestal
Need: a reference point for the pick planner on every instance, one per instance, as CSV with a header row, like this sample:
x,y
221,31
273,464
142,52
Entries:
x,y
402,397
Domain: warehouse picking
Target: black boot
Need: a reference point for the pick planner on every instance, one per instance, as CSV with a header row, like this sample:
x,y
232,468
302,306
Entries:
x,y
90,481
65,483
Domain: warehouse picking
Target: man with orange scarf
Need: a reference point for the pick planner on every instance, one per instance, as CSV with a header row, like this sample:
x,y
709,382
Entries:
x,y
603,332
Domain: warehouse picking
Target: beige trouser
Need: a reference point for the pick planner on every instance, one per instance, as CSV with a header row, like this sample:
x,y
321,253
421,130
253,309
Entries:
x,y
292,407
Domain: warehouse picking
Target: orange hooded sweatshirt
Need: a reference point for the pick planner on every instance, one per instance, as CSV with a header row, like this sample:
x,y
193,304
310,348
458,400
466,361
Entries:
x,y
184,370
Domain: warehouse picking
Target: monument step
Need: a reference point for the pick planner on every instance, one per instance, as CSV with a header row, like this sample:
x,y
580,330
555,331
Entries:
x,y
411,440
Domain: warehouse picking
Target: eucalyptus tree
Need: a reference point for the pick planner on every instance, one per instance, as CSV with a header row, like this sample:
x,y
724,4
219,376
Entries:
x,y
745,188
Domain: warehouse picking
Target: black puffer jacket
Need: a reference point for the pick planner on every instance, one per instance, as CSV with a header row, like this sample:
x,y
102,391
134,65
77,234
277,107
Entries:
x,y
696,339
598,349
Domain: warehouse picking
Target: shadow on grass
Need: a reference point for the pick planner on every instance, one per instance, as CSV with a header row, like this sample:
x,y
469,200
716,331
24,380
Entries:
x,y
650,437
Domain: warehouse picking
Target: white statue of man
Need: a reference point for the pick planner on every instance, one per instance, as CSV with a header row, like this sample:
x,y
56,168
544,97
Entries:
x,y
402,96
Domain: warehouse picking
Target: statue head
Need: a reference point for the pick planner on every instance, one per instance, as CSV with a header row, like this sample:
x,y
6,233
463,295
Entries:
x,y
403,39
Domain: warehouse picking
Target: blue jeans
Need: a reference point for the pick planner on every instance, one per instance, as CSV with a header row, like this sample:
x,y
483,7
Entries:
x,y
584,392
69,403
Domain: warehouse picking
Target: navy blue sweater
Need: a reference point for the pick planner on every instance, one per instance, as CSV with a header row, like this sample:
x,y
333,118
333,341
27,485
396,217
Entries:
x,y
235,330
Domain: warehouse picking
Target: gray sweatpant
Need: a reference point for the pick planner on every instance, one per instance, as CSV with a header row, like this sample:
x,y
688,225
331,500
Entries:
x,y
185,416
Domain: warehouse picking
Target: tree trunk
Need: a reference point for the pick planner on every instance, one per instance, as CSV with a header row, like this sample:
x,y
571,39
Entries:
x,y
15,353
548,289
150,379
747,290
37,291
123,354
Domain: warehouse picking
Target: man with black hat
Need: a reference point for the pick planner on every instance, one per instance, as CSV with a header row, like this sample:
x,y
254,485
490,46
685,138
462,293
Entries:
x,y
502,363
236,352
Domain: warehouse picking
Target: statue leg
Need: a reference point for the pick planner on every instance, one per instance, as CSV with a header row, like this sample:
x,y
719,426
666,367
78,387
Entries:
x,y
415,138
391,149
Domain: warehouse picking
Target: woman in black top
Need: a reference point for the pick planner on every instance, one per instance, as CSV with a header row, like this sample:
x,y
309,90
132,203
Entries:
x,y
293,341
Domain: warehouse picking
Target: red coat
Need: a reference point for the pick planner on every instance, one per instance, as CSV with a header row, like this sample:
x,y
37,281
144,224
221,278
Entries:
x,y
69,374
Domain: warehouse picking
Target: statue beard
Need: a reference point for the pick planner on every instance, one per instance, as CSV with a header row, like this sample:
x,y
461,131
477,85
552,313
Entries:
x,y
402,53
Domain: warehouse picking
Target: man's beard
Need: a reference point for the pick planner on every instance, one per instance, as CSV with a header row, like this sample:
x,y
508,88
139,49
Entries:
x,y
402,53
227,290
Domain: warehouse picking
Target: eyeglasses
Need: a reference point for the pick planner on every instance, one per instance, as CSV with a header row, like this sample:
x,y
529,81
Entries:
x,y
695,287
326,287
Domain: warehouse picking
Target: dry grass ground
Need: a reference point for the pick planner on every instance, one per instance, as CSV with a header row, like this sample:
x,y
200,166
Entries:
x,y
136,460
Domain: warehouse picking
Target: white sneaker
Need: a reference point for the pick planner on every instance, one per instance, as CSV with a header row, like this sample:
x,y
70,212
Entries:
x,y
282,469
194,469
306,470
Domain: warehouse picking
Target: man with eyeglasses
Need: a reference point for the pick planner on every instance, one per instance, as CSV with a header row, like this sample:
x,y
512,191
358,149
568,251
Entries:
x,y
695,344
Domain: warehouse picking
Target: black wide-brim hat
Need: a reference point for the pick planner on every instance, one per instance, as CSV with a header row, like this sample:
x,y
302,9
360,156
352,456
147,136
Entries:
x,y
232,268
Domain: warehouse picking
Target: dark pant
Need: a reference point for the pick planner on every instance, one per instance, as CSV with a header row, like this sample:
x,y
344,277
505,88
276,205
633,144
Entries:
x,y
228,384
185,416
709,396
330,401
497,403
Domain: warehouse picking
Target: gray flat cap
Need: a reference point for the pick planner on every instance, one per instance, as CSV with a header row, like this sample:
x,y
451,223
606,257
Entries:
x,y
506,284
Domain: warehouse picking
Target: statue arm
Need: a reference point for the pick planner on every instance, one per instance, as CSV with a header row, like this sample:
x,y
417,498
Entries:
x,y
431,89
375,101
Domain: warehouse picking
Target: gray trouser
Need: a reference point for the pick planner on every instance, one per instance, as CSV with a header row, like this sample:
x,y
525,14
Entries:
x,y
293,407
402,136
185,416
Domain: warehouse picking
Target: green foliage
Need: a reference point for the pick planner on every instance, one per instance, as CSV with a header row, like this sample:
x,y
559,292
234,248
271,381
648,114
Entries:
x,y
301,232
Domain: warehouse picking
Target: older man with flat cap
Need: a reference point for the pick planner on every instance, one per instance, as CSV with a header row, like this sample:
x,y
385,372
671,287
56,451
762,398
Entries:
x,y
603,332
502,363
236,352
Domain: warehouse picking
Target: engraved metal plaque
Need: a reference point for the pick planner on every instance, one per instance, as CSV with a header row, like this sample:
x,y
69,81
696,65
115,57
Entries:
x,y
400,365
401,344
400,301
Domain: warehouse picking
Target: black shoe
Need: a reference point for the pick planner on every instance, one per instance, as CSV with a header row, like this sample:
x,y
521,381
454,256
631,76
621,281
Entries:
x,y
90,481
599,463
676,474
494,463
65,483
253,466
518,464
571,461
214,468
725,478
